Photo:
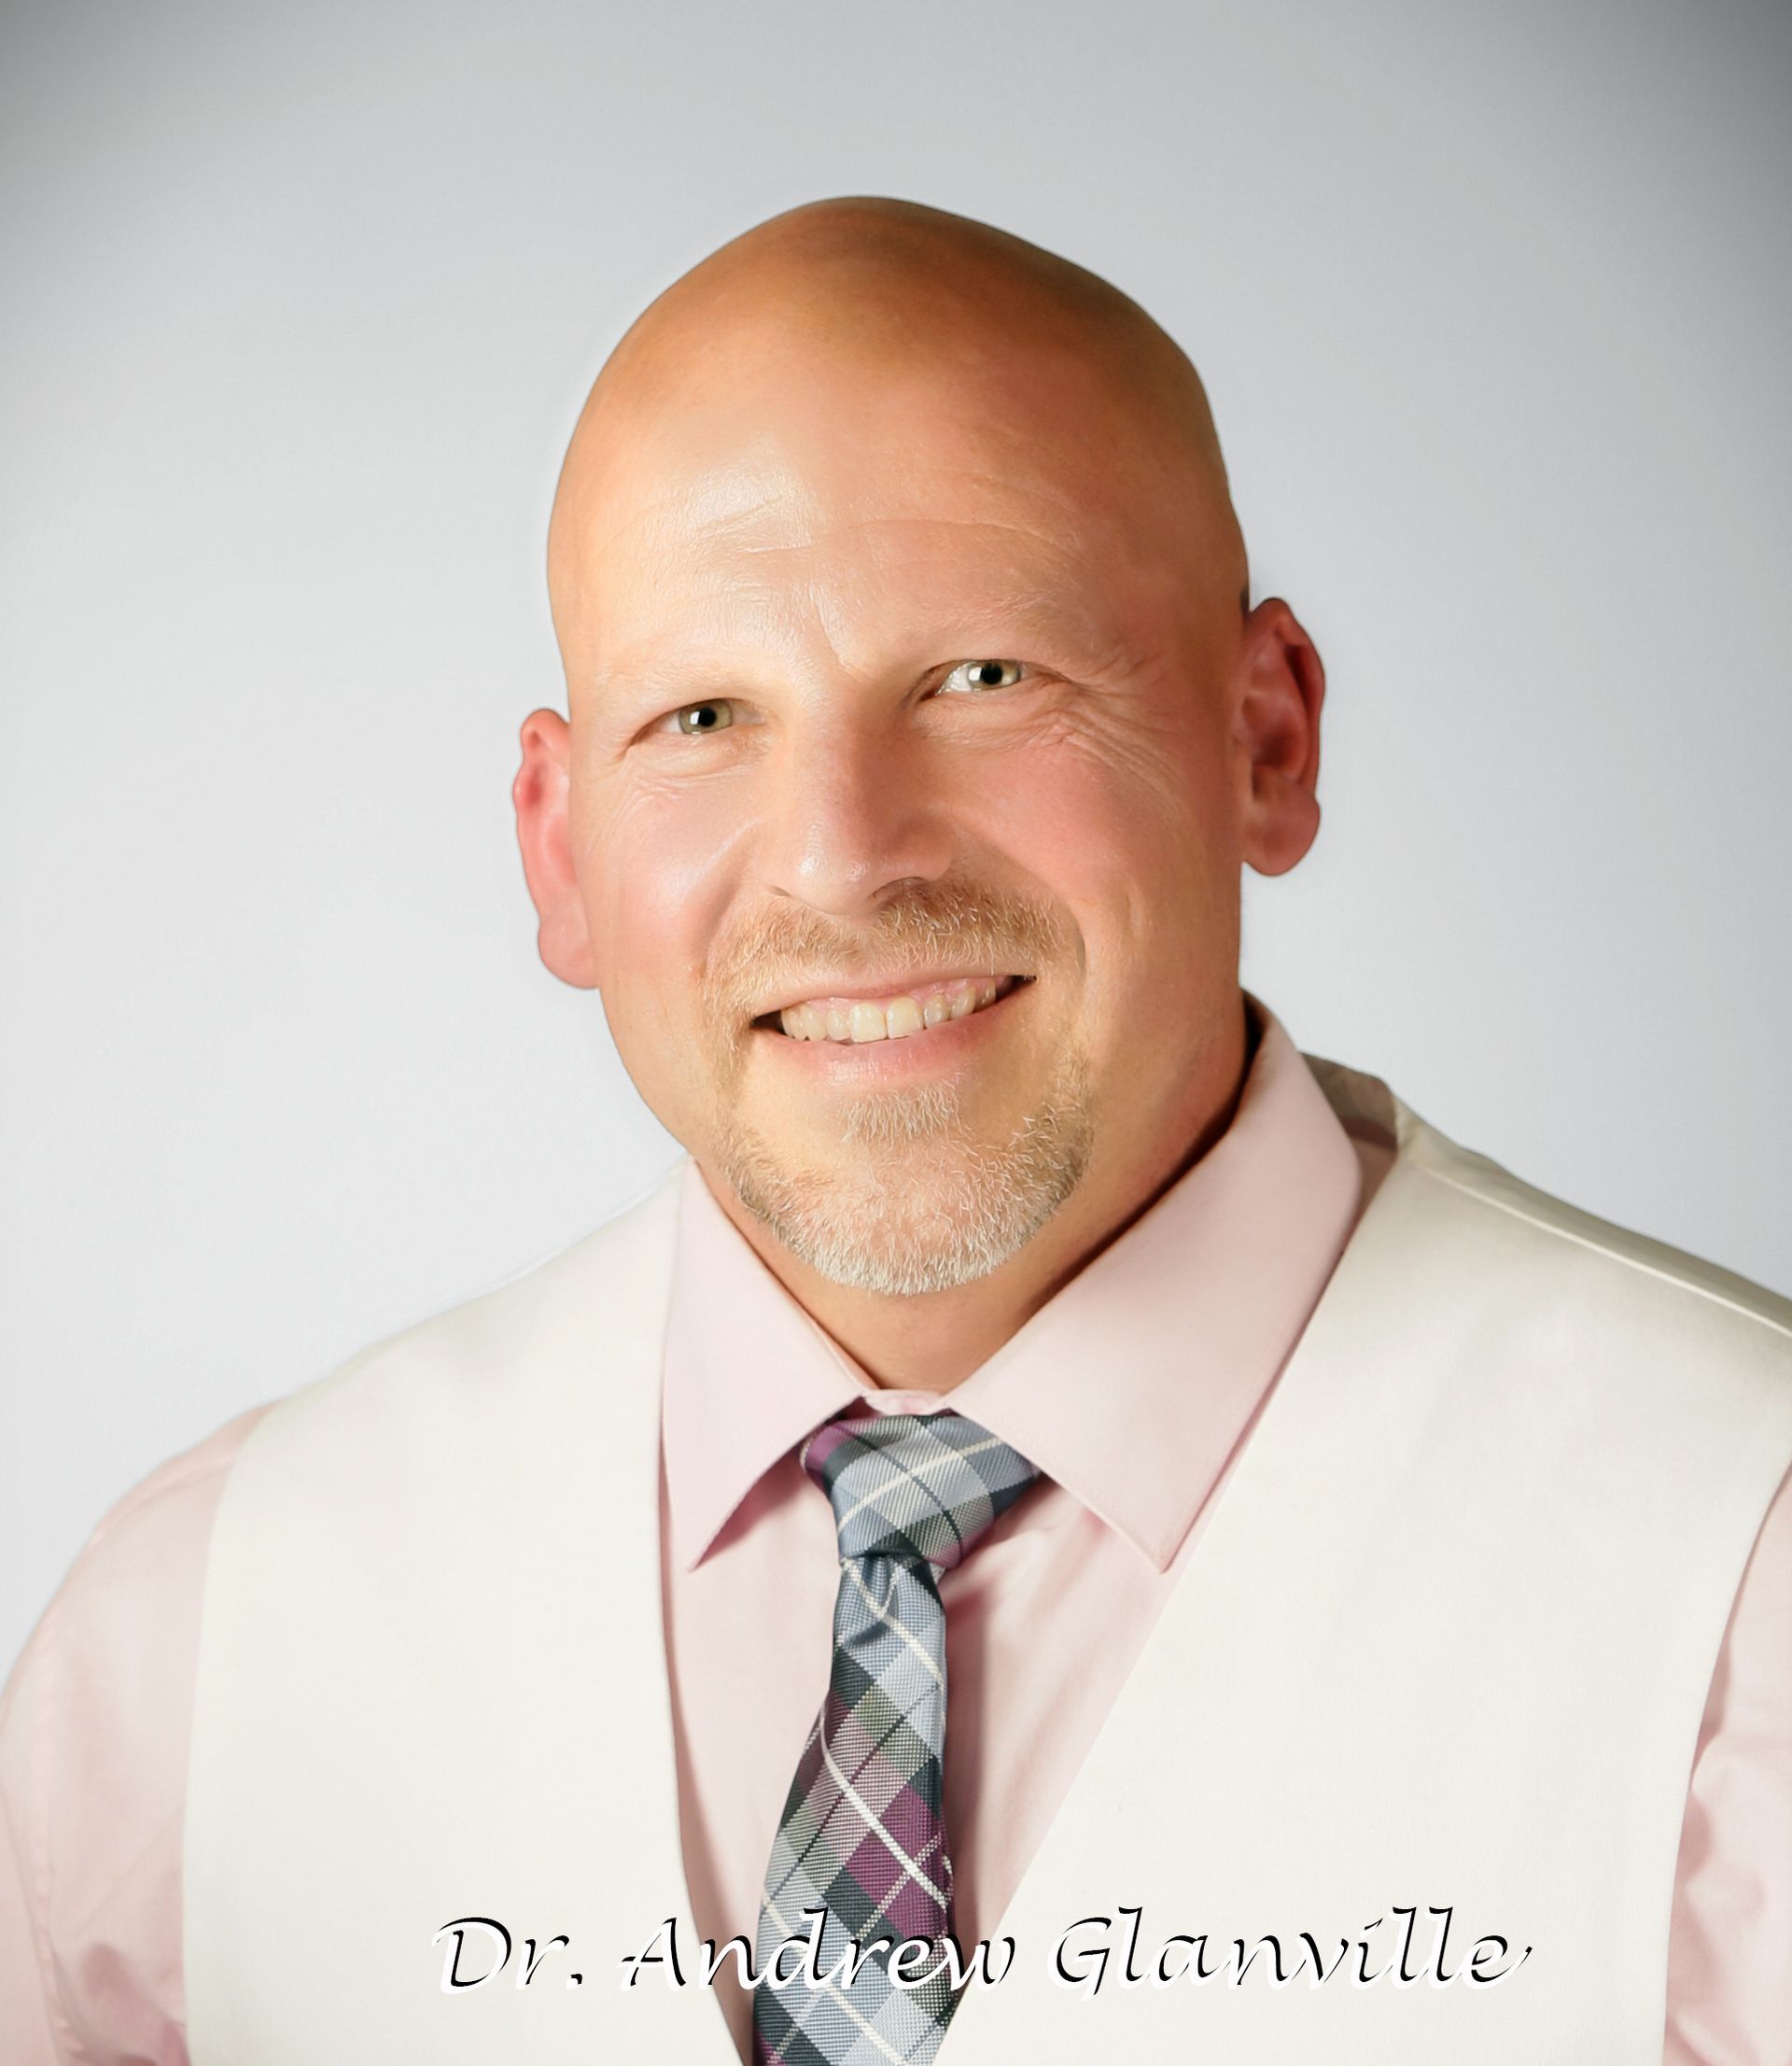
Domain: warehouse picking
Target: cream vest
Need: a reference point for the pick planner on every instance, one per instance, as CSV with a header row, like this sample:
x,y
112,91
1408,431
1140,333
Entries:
x,y
1446,1644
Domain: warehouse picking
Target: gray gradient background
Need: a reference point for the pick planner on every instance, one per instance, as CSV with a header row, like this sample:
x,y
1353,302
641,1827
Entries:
x,y
1494,306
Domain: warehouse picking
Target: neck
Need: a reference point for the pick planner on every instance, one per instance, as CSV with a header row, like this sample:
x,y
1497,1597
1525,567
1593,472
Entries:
x,y
933,1340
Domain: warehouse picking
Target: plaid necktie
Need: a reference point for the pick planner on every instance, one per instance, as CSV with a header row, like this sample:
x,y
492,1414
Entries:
x,y
863,1833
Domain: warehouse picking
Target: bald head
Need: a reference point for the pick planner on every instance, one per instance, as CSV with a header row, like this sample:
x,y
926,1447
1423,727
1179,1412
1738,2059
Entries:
x,y
844,316
901,606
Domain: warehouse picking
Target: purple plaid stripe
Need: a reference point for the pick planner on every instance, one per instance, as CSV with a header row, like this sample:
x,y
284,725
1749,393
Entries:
x,y
862,1836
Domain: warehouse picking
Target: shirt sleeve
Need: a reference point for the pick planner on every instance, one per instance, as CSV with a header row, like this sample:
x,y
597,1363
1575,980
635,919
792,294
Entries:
x,y
94,1726
1730,1969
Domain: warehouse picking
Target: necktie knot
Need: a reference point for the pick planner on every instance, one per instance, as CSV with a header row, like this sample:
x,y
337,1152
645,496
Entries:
x,y
920,1486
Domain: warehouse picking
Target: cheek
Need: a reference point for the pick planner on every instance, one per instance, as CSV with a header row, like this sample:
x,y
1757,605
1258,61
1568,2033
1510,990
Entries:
x,y
1137,837
650,876
1138,821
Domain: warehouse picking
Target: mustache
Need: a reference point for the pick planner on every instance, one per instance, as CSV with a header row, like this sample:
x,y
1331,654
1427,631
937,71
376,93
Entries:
x,y
928,924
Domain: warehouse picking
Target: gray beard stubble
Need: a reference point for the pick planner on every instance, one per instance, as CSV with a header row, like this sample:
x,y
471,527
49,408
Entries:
x,y
899,1228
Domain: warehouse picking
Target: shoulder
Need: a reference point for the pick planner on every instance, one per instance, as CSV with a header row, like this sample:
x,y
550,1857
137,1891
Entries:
x,y
1619,1278
1552,1266
128,1612
94,1718
489,1368
133,1590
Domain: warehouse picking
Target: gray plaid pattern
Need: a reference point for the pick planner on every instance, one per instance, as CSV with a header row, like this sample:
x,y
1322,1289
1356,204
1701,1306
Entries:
x,y
862,1835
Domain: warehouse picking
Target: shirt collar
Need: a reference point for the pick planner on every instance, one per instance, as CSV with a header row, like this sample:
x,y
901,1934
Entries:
x,y
1130,1386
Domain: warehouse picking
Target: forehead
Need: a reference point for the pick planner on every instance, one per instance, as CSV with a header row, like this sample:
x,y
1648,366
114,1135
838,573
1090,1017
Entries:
x,y
895,507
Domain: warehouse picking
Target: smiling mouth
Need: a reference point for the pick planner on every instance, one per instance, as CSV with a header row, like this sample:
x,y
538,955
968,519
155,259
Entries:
x,y
903,1015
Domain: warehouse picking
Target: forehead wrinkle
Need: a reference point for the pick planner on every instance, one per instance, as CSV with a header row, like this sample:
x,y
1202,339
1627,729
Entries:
x,y
907,523
1029,572
1033,604
728,612
726,495
961,577
728,552
665,519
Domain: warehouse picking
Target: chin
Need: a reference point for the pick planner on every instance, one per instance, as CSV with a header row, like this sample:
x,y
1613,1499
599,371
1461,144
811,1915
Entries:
x,y
907,1203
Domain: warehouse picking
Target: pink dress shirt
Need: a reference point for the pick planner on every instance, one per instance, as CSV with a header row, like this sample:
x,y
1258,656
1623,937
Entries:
x,y
1135,1389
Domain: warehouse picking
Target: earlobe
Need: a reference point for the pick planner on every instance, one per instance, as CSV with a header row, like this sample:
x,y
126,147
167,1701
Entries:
x,y
541,794
1282,690
1286,825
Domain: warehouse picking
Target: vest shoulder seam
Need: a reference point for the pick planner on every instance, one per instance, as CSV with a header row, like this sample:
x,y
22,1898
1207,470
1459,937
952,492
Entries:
x,y
1681,1280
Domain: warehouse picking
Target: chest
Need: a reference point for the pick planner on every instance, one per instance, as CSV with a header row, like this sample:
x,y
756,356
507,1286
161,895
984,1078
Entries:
x,y
1435,1649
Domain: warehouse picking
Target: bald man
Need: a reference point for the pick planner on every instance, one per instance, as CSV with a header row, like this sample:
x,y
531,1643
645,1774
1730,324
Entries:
x,y
1062,1526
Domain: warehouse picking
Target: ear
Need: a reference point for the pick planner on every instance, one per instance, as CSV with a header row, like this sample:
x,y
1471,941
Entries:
x,y
1282,688
540,793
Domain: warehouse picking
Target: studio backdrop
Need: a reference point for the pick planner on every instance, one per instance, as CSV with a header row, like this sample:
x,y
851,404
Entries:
x,y
1493,304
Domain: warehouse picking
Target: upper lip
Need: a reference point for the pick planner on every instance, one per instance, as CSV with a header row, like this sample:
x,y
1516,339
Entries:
x,y
904,984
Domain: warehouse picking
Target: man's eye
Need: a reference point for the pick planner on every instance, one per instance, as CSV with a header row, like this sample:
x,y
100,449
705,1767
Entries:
x,y
712,716
974,675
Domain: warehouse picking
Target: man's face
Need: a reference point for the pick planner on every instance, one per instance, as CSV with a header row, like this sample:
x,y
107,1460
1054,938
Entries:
x,y
879,697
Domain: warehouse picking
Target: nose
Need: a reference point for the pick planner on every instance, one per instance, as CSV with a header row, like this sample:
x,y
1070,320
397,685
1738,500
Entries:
x,y
858,811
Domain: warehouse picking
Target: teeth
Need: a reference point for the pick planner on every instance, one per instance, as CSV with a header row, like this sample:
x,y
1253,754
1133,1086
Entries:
x,y
803,1022
854,1020
905,1018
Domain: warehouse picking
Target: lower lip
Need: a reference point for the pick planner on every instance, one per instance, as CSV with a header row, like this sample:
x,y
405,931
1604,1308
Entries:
x,y
954,1045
